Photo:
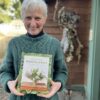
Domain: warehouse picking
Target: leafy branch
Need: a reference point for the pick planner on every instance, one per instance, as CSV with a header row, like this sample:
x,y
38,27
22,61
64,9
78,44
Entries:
x,y
35,75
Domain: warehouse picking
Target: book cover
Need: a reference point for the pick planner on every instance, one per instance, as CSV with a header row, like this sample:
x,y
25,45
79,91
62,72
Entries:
x,y
35,73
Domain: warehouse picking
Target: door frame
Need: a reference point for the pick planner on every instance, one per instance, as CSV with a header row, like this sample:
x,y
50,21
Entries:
x,y
93,80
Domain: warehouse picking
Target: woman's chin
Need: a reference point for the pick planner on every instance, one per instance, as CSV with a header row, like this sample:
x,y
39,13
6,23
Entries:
x,y
34,33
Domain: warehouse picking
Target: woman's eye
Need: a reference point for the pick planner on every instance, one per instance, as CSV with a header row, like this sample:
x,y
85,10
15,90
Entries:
x,y
38,18
28,17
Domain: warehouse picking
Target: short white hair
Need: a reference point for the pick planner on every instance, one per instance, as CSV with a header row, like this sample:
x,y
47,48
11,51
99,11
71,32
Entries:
x,y
29,5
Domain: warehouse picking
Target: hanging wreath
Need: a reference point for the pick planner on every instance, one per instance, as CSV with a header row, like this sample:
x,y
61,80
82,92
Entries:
x,y
70,42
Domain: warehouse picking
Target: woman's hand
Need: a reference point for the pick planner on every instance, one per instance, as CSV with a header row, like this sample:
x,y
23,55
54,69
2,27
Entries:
x,y
55,86
12,87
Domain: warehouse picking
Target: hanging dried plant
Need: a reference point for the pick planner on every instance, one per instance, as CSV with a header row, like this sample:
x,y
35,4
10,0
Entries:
x,y
69,20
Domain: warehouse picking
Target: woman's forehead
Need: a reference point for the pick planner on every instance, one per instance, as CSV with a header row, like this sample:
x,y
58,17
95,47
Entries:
x,y
36,11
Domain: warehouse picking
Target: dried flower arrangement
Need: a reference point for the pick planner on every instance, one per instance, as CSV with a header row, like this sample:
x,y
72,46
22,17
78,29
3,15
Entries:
x,y
68,20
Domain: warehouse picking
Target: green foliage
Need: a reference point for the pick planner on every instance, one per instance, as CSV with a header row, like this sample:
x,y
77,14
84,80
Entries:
x,y
9,10
21,1
17,8
5,4
4,10
4,18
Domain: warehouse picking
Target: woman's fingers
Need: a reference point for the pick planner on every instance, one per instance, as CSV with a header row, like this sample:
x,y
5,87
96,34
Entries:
x,y
12,87
17,93
55,86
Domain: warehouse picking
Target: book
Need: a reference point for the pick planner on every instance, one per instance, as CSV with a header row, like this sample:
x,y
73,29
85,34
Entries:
x,y
35,73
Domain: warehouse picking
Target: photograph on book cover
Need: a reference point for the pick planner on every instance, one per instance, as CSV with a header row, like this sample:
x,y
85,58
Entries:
x,y
35,72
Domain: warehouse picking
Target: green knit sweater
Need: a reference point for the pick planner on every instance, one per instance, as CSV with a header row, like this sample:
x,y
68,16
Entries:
x,y
44,44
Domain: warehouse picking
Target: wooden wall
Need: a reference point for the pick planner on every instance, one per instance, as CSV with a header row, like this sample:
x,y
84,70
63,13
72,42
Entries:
x,y
77,72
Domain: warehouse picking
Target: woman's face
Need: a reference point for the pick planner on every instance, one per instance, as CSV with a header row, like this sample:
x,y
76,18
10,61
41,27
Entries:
x,y
34,22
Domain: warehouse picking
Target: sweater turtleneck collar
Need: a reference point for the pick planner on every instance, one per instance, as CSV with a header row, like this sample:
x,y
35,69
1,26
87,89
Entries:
x,y
34,36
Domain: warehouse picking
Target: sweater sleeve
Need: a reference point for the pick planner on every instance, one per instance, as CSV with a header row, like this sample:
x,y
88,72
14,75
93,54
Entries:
x,y
6,68
60,67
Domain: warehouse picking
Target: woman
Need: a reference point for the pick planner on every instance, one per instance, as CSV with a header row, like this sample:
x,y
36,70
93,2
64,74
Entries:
x,y
34,15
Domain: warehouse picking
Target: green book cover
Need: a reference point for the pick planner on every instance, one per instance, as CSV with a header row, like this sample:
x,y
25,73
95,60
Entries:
x,y
35,73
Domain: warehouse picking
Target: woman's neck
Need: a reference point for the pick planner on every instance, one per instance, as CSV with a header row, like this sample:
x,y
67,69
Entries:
x,y
34,36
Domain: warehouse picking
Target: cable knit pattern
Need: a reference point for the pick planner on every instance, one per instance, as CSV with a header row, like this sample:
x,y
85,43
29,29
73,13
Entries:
x,y
44,44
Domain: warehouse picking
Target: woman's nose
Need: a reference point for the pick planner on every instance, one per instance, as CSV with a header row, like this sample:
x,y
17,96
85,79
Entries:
x,y
33,22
